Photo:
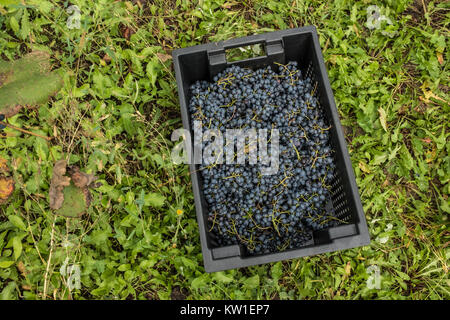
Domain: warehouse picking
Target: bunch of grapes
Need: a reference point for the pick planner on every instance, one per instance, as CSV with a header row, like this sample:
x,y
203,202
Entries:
x,y
267,213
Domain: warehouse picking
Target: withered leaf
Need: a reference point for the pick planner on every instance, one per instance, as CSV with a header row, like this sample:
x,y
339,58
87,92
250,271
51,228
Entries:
x,y
163,57
11,111
21,267
3,166
81,179
6,188
440,58
57,184
69,194
106,58
87,196
126,31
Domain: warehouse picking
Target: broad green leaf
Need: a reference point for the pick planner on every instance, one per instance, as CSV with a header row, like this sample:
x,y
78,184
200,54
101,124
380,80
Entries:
x,y
152,70
8,291
189,263
6,264
154,199
17,222
251,282
17,246
14,25
277,271
198,283
25,25
407,159
222,277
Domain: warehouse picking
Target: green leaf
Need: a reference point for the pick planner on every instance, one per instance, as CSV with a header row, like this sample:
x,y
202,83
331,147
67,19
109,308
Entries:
x,y
154,199
441,141
124,267
17,222
129,124
17,246
403,275
252,282
41,148
14,25
8,291
102,85
445,205
367,115
6,264
379,158
152,70
407,159
27,82
277,271
74,204
222,277
25,30
198,283
188,263
43,5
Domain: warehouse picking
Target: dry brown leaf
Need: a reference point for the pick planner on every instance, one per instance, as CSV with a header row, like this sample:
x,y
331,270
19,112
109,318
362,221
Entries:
x,y
428,94
127,32
106,58
363,166
21,267
129,5
74,179
163,56
228,5
333,59
82,42
11,111
81,179
430,155
87,196
3,166
440,58
355,28
57,184
6,183
348,269
26,287
383,118
6,188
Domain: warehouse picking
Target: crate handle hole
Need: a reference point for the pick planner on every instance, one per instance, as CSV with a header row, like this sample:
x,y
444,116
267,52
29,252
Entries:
x,y
245,52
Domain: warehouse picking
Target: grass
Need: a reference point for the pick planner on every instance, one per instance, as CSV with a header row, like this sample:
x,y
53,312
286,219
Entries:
x,y
119,105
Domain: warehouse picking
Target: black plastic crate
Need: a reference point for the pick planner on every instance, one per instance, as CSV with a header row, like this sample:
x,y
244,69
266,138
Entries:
x,y
203,62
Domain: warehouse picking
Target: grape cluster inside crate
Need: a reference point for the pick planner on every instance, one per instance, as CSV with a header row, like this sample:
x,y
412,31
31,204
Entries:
x,y
339,223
